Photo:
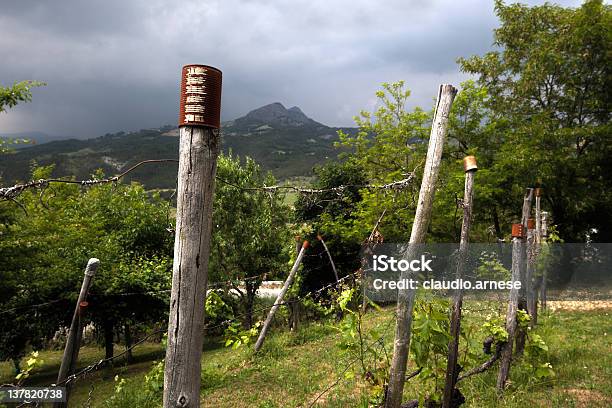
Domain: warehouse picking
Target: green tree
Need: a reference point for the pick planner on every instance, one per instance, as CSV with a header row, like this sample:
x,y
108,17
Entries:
x,y
251,234
12,95
47,242
549,81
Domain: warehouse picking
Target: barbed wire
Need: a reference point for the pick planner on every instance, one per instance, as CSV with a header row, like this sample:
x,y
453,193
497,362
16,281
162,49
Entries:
x,y
34,306
11,193
395,185
285,302
73,378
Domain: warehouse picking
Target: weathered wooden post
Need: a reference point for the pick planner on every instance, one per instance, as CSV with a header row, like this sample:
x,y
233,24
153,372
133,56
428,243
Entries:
x,y
294,306
73,342
279,299
405,298
518,236
522,305
538,248
543,286
331,261
199,122
470,167
531,265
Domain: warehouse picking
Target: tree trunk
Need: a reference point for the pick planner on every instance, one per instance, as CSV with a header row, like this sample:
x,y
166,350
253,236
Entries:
x,y
251,291
405,298
109,350
127,332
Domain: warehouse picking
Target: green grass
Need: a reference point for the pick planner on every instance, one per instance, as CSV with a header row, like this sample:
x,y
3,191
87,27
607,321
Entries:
x,y
293,368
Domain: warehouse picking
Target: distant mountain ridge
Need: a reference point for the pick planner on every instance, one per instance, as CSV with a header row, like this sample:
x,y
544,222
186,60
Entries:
x,y
284,141
275,115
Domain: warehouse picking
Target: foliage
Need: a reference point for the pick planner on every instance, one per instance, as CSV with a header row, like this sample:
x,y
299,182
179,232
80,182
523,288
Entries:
x,y
217,310
127,395
366,346
48,240
548,84
429,345
236,336
536,352
494,327
250,234
32,363
11,96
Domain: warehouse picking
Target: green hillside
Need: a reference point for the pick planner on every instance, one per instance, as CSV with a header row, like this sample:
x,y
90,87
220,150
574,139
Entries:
x,y
284,141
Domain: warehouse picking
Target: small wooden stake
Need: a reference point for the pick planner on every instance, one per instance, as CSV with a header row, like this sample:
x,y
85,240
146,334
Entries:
x,y
453,346
331,261
279,299
73,342
405,298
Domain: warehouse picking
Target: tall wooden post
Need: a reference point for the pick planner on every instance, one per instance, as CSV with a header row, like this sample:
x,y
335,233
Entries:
x,y
522,305
280,297
405,298
470,167
73,342
198,151
538,248
518,236
531,265
543,286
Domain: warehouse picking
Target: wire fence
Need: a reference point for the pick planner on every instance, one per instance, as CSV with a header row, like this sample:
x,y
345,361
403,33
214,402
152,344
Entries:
x,y
12,192
84,372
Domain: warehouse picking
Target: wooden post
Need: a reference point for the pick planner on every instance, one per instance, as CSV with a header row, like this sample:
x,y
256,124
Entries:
x,y
543,286
73,342
538,248
522,305
518,235
198,151
469,164
331,261
405,298
531,264
279,299
294,307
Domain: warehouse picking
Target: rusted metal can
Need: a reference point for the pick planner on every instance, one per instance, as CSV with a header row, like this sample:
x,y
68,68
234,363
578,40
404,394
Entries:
x,y
469,163
518,231
531,223
200,96
538,191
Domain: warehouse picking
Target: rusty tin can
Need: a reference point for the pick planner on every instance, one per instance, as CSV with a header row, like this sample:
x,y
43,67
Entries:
x,y
531,223
518,231
200,96
469,163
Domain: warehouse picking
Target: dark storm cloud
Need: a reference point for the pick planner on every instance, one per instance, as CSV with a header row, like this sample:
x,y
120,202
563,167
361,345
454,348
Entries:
x,y
113,65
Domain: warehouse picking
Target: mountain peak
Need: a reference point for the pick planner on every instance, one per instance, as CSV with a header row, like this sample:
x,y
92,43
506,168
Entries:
x,y
275,115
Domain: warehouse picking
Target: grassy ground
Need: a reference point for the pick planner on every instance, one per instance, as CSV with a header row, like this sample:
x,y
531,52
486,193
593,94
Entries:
x,y
294,368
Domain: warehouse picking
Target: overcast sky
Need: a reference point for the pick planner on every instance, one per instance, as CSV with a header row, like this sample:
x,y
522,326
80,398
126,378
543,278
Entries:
x,y
114,65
